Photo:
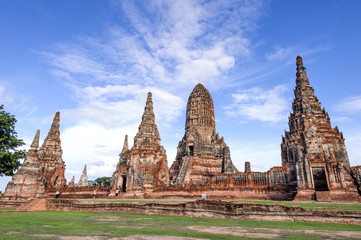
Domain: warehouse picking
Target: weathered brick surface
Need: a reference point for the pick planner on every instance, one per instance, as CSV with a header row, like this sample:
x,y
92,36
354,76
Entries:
x,y
42,169
145,166
313,152
83,181
212,209
201,153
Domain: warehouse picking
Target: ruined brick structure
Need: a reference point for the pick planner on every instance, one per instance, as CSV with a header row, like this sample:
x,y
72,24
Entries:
x,y
83,181
72,182
202,153
50,157
27,182
315,165
121,172
42,168
313,152
145,165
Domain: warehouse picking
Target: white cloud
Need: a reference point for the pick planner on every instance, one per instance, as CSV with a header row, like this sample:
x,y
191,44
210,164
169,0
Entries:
x,y
119,105
350,105
105,115
258,104
90,143
187,42
280,54
266,156
13,100
162,46
353,143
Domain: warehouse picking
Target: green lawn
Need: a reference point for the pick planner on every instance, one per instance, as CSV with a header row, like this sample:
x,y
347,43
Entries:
x,y
312,205
128,201
50,225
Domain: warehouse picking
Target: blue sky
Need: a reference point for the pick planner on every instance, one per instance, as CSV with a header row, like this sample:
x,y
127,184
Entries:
x,y
95,61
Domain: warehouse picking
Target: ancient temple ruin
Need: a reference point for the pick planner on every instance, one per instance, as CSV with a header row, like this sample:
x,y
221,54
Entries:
x,y
201,153
145,166
42,168
315,165
313,152
83,181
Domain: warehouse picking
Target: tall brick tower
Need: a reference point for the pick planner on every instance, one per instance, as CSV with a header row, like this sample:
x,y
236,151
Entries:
x,y
146,163
313,152
201,153
27,182
50,157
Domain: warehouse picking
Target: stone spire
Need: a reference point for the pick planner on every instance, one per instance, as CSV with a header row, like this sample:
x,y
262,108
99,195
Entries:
x,y
202,152
31,161
125,145
311,141
148,134
35,145
50,156
301,74
83,181
53,138
200,110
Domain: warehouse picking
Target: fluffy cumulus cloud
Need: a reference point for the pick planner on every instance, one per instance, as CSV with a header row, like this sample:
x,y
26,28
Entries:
x,y
182,42
267,156
165,47
350,105
259,104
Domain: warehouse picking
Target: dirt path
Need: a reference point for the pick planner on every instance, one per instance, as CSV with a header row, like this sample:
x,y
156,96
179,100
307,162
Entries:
x,y
272,233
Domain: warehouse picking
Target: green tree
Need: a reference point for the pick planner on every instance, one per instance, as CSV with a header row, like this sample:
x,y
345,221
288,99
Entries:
x,y
9,154
103,181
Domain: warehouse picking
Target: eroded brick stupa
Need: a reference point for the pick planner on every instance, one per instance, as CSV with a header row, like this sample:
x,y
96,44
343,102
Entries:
x,y
42,168
315,165
83,181
313,152
201,153
145,166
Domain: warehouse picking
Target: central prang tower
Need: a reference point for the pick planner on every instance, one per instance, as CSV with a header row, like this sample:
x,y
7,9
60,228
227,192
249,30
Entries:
x,y
201,153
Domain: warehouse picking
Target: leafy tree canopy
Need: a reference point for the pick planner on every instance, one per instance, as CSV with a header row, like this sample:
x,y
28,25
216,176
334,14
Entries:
x,y
103,181
9,155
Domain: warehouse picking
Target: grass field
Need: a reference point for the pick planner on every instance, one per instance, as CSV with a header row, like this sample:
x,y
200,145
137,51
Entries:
x,y
77,225
309,206
313,205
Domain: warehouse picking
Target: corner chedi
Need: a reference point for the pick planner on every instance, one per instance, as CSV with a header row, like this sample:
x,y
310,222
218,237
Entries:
x,y
43,168
50,157
201,153
146,162
313,152
119,178
315,165
83,181
27,182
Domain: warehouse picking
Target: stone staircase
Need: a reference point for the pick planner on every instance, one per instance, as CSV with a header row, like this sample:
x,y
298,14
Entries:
x,y
5,203
38,204
323,196
184,169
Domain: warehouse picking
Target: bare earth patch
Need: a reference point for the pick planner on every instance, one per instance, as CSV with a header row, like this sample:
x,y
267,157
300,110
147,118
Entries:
x,y
13,233
107,218
53,236
235,231
271,232
157,237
